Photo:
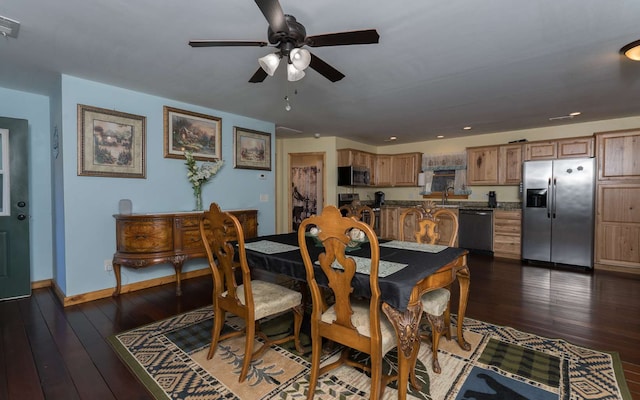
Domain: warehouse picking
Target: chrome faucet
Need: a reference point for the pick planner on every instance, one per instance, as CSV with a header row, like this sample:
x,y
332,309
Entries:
x,y
445,195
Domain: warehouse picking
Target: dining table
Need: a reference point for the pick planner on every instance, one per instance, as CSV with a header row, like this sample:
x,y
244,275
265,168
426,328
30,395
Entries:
x,y
407,270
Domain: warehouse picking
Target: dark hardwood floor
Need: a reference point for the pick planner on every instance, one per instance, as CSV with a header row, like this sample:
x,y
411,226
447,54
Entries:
x,y
51,352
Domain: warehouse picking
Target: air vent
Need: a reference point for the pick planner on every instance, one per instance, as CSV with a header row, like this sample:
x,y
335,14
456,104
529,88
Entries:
x,y
9,27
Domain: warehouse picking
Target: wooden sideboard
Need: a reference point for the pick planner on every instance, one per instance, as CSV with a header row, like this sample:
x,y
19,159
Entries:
x,y
143,240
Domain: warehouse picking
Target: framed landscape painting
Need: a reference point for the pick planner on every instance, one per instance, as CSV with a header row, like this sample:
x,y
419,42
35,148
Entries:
x,y
190,131
252,149
111,143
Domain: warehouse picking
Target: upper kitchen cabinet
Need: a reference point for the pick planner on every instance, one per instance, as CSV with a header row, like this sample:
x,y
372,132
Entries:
x,y
510,164
618,155
541,150
562,148
356,158
406,168
387,170
576,147
383,170
482,165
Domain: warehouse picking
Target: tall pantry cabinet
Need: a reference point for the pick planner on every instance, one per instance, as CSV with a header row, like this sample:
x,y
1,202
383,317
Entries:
x,y
617,239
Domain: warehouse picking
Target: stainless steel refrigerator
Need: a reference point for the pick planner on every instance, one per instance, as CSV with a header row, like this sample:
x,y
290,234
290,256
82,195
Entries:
x,y
558,211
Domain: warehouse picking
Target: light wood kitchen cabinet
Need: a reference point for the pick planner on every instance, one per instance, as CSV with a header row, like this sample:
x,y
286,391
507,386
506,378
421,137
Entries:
x,y
562,148
576,147
143,240
507,233
356,158
383,171
541,150
510,164
389,220
406,168
618,154
617,235
482,165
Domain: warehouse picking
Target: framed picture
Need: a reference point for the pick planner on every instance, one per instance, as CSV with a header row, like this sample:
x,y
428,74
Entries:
x,y
111,143
189,131
252,149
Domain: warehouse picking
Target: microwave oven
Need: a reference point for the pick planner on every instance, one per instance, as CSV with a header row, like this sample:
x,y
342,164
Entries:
x,y
353,176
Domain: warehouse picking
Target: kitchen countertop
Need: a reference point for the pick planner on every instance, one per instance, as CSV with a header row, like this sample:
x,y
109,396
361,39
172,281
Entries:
x,y
504,206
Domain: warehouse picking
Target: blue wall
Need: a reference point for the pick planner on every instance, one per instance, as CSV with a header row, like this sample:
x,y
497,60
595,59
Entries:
x,y
35,109
83,206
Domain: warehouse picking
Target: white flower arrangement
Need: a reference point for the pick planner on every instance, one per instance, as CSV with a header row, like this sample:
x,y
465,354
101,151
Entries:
x,y
198,176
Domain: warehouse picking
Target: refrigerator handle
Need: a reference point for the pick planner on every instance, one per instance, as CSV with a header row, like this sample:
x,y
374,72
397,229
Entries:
x,y
549,198
555,185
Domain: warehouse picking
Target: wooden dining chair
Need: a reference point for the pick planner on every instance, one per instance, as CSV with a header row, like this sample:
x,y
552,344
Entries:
x,y
352,322
435,303
361,212
251,300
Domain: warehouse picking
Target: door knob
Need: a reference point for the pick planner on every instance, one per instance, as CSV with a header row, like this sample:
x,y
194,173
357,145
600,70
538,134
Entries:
x,y
21,217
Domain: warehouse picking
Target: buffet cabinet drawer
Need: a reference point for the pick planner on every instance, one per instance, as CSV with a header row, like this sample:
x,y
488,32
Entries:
x,y
144,235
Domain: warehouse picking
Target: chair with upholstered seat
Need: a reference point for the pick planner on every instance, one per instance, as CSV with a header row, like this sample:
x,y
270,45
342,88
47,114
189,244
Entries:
x,y
251,300
352,322
435,303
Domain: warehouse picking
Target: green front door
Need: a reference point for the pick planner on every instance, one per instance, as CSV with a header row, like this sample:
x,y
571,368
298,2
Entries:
x,y
15,277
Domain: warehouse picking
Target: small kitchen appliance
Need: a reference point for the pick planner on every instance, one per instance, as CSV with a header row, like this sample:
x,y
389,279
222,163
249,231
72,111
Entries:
x,y
493,201
379,199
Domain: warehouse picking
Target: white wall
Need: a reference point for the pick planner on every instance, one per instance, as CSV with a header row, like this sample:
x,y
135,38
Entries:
x,y
35,109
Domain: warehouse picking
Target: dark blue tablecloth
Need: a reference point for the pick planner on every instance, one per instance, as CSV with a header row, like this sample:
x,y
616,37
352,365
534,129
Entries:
x,y
396,288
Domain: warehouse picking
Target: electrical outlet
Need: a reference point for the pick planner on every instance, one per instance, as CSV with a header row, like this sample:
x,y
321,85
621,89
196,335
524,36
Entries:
x,y
107,265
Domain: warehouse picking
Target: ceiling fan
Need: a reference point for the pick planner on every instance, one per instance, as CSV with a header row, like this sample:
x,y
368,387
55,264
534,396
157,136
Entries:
x,y
289,36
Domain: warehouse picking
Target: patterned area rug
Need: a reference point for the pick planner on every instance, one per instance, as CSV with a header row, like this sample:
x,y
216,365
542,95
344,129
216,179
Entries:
x,y
169,357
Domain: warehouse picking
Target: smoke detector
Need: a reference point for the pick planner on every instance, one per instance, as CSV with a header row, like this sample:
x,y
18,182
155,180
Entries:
x,y
9,27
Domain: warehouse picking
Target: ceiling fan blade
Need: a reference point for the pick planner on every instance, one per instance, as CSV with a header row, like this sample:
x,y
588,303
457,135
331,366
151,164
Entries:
x,y
367,36
325,69
259,76
225,43
273,13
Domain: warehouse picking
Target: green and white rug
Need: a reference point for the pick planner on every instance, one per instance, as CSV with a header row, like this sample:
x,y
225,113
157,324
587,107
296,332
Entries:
x,y
169,358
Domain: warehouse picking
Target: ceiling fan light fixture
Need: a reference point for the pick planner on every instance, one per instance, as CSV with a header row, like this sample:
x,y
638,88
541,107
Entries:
x,y
269,63
300,58
632,50
293,73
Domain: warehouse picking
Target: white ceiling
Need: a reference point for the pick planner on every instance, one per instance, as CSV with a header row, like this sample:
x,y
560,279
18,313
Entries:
x,y
496,65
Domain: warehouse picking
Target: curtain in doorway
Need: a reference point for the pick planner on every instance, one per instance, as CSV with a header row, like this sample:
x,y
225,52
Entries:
x,y
304,193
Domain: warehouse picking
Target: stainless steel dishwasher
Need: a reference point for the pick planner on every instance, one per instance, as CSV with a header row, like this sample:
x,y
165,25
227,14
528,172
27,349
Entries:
x,y
475,230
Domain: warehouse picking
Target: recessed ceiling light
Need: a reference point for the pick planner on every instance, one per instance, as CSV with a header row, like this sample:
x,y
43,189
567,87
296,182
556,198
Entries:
x,y
439,136
467,128
392,138
575,114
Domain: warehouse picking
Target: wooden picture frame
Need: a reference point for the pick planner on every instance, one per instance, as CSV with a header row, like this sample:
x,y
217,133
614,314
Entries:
x,y
251,149
198,133
111,143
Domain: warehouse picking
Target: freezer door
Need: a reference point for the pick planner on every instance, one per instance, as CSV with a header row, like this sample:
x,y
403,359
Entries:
x,y
536,216
573,211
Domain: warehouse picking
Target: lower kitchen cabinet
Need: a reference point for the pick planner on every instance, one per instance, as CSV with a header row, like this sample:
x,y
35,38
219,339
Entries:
x,y
507,233
389,220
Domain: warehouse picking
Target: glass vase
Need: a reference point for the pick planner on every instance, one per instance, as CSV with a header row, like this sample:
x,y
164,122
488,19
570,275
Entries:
x,y
198,196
